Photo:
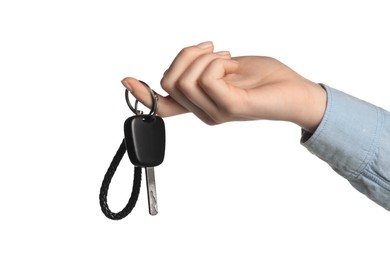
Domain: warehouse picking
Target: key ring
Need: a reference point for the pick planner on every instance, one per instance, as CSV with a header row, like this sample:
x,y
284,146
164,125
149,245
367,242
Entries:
x,y
153,110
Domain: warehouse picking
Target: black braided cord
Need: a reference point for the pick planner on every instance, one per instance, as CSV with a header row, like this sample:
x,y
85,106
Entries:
x,y
106,183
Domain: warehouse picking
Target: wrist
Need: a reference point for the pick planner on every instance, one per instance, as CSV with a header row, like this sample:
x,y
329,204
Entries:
x,y
312,108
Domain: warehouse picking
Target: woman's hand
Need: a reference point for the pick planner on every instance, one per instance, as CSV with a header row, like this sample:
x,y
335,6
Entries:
x,y
218,88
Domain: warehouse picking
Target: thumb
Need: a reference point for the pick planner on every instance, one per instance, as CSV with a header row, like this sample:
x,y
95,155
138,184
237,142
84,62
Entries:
x,y
166,105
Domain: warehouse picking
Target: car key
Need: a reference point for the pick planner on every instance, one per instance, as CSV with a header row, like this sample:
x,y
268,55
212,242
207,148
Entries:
x,y
145,145
151,188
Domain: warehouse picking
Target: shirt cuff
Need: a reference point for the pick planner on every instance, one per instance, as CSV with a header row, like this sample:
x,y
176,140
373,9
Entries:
x,y
348,139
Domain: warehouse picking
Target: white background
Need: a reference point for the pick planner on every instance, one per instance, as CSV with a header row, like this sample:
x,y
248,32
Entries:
x,y
235,191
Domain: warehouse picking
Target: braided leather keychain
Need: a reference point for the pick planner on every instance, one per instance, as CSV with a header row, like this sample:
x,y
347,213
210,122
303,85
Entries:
x,y
106,183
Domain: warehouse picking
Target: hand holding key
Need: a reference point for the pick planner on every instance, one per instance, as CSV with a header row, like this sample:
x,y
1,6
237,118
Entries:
x,y
218,88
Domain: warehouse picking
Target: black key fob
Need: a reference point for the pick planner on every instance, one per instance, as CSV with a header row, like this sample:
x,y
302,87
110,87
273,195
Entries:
x,y
145,140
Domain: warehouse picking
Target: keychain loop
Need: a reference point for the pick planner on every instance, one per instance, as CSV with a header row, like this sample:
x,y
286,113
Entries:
x,y
106,184
153,110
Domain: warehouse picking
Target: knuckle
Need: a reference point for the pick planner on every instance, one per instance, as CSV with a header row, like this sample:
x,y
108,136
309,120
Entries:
x,y
187,52
184,84
166,84
217,63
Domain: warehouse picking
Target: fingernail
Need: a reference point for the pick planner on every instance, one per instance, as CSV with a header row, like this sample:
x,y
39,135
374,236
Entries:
x,y
127,85
223,53
205,45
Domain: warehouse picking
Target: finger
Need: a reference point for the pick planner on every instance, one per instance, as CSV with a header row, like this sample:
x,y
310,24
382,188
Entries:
x,y
182,61
166,105
226,97
189,87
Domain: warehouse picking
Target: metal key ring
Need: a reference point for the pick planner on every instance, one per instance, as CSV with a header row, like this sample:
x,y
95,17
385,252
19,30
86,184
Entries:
x,y
153,110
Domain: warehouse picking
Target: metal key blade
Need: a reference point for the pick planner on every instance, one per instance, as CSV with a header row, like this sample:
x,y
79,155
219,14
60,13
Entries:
x,y
151,187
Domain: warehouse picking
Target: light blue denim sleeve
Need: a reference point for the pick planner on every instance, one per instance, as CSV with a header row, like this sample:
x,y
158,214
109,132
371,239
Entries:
x,y
354,139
